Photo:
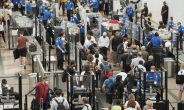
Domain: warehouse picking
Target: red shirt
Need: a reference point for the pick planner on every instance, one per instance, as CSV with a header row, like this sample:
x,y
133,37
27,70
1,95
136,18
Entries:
x,y
41,91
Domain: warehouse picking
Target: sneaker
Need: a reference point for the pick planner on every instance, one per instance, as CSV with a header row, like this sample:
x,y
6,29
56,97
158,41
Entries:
x,y
24,66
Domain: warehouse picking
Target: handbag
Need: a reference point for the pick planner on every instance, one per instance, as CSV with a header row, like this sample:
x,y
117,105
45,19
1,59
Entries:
x,y
32,48
179,79
35,105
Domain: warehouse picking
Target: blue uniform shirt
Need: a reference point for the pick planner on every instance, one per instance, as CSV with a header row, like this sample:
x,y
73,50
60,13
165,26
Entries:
x,y
69,5
82,29
74,19
130,11
125,19
180,29
154,77
171,23
123,31
95,3
59,42
156,41
28,8
22,2
108,82
147,36
47,15
41,9
15,2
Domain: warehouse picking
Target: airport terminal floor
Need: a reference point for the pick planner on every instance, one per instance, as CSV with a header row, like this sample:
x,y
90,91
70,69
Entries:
x,y
15,74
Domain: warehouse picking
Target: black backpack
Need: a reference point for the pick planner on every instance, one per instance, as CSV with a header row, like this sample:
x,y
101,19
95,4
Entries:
x,y
128,60
83,54
115,90
120,48
134,54
60,105
64,75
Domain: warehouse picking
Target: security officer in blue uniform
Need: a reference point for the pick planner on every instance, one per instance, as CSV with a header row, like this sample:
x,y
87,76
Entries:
x,y
22,4
15,4
156,77
28,8
46,16
130,13
69,7
41,8
82,33
171,23
49,33
180,28
156,41
74,18
149,35
59,50
95,5
123,30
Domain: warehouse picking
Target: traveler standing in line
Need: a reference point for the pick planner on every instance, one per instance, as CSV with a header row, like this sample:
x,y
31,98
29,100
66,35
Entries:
x,y
59,100
62,4
2,30
106,89
103,43
69,7
145,10
96,32
59,50
42,90
85,101
21,45
180,86
164,13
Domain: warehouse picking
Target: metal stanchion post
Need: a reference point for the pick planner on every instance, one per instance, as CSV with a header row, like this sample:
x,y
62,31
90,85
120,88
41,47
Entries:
x,y
49,59
76,51
20,91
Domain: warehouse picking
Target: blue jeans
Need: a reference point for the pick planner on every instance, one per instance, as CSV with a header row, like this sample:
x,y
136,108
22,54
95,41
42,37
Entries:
x,y
115,57
98,76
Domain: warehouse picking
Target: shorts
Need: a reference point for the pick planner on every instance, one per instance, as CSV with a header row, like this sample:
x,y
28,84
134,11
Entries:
x,y
109,98
22,52
101,9
8,22
181,87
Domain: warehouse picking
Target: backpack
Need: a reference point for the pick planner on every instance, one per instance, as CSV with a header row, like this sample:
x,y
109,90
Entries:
x,y
134,54
86,78
64,75
128,60
92,50
106,70
83,54
86,107
120,48
60,105
115,90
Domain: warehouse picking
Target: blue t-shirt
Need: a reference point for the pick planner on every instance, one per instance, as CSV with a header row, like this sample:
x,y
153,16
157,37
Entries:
x,y
108,82
154,77
170,26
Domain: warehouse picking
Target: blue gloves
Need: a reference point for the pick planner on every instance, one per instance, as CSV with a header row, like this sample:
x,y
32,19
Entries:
x,y
63,51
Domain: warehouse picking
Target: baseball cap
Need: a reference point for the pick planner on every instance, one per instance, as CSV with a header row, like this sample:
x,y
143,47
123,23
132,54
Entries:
x,y
110,73
141,62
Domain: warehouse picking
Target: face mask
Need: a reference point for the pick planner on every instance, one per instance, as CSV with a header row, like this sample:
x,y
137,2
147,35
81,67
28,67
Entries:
x,y
152,70
4,85
47,82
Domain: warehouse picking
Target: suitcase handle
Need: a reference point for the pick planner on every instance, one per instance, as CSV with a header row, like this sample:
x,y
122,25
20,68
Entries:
x,y
41,103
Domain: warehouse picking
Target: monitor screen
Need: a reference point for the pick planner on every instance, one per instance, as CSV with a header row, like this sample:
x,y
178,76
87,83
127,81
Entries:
x,y
150,84
5,90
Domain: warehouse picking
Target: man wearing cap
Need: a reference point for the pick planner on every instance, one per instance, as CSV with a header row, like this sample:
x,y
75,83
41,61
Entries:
x,y
106,89
164,13
103,43
46,16
145,10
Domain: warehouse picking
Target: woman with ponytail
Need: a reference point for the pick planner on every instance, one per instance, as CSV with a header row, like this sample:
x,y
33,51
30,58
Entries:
x,y
97,62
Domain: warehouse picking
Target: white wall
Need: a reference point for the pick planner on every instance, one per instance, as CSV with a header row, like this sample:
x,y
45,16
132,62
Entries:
x,y
175,9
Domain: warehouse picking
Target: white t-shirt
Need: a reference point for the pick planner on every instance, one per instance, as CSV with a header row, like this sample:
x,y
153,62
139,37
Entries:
x,y
168,44
136,106
100,57
1,27
131,108
86,107
82,74
142,67
99,61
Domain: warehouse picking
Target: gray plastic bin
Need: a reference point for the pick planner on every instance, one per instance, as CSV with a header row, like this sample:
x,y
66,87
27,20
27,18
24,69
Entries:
x,y
169,66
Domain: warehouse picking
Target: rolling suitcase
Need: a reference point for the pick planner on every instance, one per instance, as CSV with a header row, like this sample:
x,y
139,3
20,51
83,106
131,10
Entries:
x,y
181,105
